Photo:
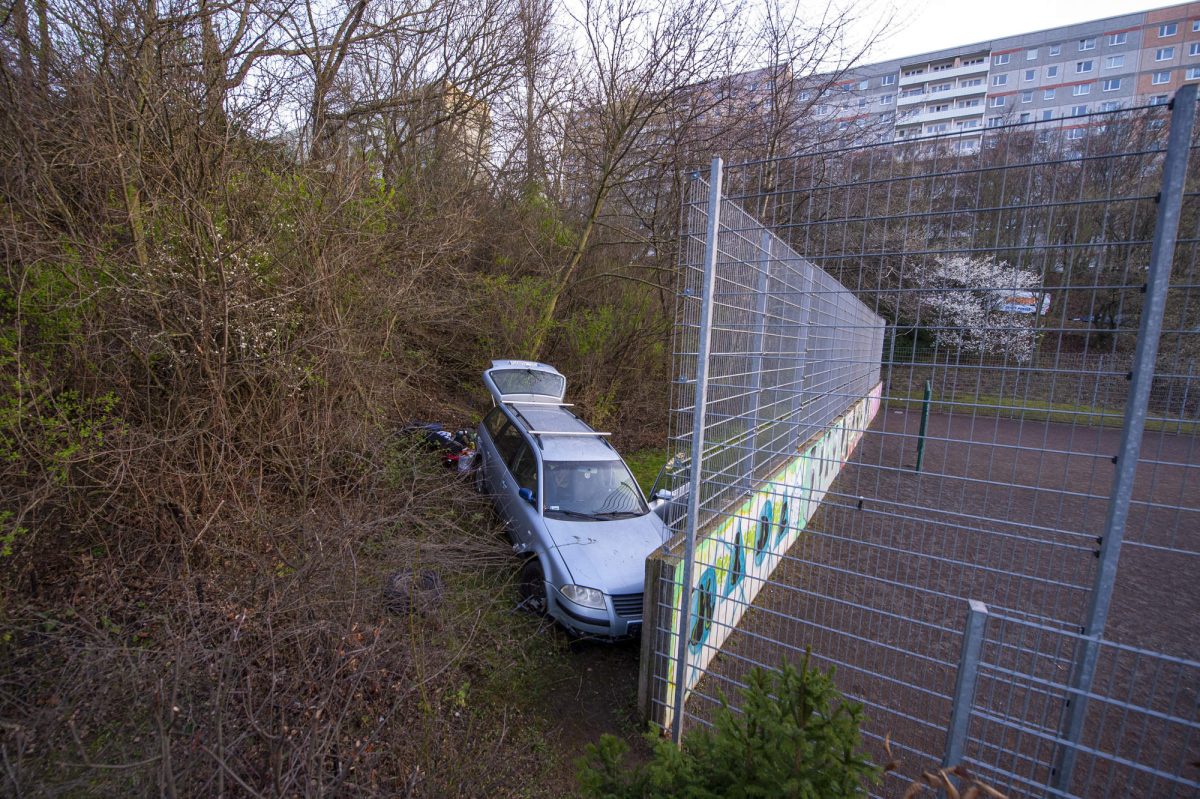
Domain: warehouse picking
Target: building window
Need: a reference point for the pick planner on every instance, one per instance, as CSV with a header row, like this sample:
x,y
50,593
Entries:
x,y
969,103
1114,62
1048,114
1192,73
970,62
1194,48
862,101
995,122
1031,54
864,85
1081,89
888,80
938,108
1110,105
1083,66
1027,97
1158,99
941,127
942,67
1161,77
963,84
1075,134
1196,26
1117,38
998,102
805,95
1169,29
885,99
1052,72
1088,43
967,124
941,87
1024,117
1030,73
1111,85
999,80
908,73
1000,59
1164,54
1078,110
1048,94
1055,49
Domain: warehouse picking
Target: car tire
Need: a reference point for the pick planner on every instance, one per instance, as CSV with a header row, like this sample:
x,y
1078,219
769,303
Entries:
x,y
531,588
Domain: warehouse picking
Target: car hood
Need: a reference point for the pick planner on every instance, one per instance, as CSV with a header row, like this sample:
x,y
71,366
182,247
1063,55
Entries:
x,y
610,556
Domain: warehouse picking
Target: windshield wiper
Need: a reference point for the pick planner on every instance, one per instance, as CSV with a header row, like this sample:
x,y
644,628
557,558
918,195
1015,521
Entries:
x,y
574,513
619,514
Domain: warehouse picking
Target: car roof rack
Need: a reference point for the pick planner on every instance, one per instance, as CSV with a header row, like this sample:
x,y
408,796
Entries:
x,y
535,402
567,433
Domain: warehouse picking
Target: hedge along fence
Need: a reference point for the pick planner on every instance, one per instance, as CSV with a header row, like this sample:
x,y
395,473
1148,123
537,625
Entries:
x,y
734,560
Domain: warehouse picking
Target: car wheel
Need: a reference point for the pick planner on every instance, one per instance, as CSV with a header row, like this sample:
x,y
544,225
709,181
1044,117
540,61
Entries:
x,y
532,588
480,477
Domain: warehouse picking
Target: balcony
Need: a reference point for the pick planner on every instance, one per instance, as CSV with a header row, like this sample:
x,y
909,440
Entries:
x,y
948,94
938,116
943,74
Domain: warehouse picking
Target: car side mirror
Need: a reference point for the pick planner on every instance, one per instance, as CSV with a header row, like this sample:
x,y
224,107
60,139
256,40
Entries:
x,y
526,494
664,494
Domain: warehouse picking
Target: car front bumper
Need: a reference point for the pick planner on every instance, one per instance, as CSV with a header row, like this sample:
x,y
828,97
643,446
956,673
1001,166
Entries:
x,y
604,623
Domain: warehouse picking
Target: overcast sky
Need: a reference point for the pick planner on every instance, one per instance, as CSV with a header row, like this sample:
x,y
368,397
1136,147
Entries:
x,y
925,25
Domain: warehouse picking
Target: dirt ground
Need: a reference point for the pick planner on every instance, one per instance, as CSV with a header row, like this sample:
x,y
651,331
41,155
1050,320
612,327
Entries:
x,y
1009,513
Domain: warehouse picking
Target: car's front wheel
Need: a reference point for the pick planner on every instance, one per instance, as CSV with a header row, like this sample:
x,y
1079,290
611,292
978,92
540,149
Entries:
x,y
532,588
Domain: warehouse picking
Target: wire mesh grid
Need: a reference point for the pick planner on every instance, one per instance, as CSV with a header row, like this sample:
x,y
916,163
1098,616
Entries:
x,y
1011,269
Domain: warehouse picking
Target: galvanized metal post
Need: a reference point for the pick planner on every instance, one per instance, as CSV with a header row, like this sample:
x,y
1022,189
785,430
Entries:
x,y
964,683
756,356
698,411
1162,252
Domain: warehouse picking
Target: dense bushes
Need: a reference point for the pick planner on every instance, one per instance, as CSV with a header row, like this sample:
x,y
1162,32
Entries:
x,y
796,736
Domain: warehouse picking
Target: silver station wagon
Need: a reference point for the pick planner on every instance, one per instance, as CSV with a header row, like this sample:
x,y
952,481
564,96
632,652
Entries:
x,y
574,512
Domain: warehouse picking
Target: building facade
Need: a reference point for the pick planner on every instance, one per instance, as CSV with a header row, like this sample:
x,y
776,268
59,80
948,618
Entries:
x,y
1054,74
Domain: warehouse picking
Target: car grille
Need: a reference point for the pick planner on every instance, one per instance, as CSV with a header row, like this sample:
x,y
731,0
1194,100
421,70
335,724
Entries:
x,y
628,606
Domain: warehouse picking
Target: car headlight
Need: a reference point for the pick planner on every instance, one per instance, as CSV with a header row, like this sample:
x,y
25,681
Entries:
x,y
581,595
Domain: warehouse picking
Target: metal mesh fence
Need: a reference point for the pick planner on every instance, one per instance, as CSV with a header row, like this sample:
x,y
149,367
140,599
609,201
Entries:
x,y
1036,447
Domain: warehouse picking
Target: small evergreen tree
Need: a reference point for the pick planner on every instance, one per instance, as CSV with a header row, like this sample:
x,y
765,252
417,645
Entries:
x,y
796,736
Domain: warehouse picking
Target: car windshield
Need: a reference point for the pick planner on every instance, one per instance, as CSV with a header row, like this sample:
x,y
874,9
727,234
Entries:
x,y
528,381
592,489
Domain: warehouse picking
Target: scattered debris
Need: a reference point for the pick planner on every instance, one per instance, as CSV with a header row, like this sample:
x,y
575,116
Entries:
x,y
413,592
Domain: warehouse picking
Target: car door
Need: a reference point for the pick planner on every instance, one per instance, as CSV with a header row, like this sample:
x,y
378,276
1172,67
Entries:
x,y
524,381
525,515
500,479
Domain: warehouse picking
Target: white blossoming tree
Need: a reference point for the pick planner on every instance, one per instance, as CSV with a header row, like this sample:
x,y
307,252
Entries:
x,y
957,301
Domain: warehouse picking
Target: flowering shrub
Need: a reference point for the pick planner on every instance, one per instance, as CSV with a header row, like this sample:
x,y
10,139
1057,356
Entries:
x,y
958,299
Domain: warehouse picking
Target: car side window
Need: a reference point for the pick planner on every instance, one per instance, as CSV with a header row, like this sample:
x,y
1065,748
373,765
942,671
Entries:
x,y
508,441
525,468
494,421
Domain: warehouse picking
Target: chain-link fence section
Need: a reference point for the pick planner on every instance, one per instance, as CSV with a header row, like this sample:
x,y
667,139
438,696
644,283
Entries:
x,y
1036,449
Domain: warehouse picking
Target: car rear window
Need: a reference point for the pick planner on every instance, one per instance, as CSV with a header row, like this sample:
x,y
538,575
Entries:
x,y
528,381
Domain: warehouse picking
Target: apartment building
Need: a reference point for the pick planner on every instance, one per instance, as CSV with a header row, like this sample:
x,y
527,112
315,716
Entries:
x,y
1069,71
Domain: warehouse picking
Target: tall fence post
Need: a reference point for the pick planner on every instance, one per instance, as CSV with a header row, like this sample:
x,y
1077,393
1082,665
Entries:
x,y
698,412
756,356
964,683
1162,251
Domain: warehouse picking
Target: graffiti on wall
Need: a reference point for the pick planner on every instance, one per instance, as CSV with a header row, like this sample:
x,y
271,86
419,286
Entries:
x,y
734,558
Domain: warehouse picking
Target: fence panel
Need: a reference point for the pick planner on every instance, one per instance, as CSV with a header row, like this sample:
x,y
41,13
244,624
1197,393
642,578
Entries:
x,y
1010,268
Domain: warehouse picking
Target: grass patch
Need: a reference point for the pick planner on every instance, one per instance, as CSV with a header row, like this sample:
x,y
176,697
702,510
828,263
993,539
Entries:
x,y
1034,410
645,465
